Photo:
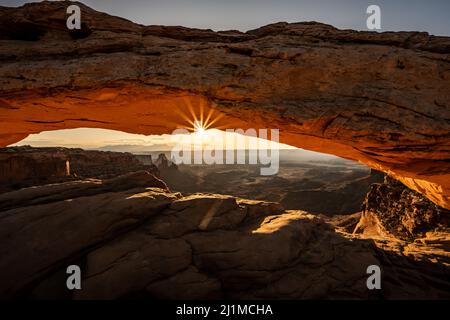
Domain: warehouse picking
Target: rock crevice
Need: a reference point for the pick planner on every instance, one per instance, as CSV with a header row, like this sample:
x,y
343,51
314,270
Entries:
x,y
142,241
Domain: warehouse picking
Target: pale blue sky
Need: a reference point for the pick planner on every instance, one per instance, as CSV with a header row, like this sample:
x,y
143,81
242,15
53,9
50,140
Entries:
x,y
397,15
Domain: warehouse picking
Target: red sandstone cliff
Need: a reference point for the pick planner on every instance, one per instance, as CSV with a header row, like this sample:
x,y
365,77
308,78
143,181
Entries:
x,y
378,98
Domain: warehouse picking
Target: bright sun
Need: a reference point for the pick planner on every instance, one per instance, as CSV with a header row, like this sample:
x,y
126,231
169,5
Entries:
x,y
199,129
199,121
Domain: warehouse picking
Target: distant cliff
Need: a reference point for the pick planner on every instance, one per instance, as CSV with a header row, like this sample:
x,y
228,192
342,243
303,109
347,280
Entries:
x,y
27,166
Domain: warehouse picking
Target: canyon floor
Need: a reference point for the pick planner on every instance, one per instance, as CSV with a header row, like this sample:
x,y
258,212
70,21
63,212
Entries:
x,y
134,238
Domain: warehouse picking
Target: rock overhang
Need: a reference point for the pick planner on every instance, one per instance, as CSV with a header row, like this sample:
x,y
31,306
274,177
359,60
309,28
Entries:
x,y
378,98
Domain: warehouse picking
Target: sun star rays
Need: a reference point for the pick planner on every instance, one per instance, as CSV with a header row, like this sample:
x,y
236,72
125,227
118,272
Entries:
x,y
198,120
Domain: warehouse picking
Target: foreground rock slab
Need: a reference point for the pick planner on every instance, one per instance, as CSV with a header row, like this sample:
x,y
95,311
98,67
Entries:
x,y
391,210
379,98
143,241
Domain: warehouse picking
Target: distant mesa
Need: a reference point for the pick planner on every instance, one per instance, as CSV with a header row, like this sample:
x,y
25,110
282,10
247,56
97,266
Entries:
x,y
162,163
28,166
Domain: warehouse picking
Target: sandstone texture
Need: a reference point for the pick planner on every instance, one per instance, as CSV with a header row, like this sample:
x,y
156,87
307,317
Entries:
x,y
133,238
379,98
393,210
19,169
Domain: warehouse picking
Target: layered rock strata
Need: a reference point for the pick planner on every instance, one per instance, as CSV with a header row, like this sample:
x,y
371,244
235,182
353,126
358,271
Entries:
x,y
393,210
378,98
26,166
139,240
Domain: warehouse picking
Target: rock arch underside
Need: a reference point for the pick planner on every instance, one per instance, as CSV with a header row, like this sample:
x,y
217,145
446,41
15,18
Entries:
x,y
378,98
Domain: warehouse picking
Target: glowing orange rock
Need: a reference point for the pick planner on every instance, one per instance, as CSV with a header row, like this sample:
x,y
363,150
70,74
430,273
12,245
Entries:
x,y
379,98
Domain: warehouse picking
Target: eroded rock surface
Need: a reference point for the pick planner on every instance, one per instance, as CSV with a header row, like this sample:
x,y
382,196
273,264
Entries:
x,y
142,241
391,209
20,169
379,98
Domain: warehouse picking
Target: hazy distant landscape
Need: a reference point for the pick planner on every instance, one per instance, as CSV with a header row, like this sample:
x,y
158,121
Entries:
x,y
306,180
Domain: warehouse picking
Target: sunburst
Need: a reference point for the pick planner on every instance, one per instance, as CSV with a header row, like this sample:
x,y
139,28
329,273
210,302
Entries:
x,y
197,120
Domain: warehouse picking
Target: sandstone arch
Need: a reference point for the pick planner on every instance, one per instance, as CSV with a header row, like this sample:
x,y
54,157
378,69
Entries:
x,y
382,99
